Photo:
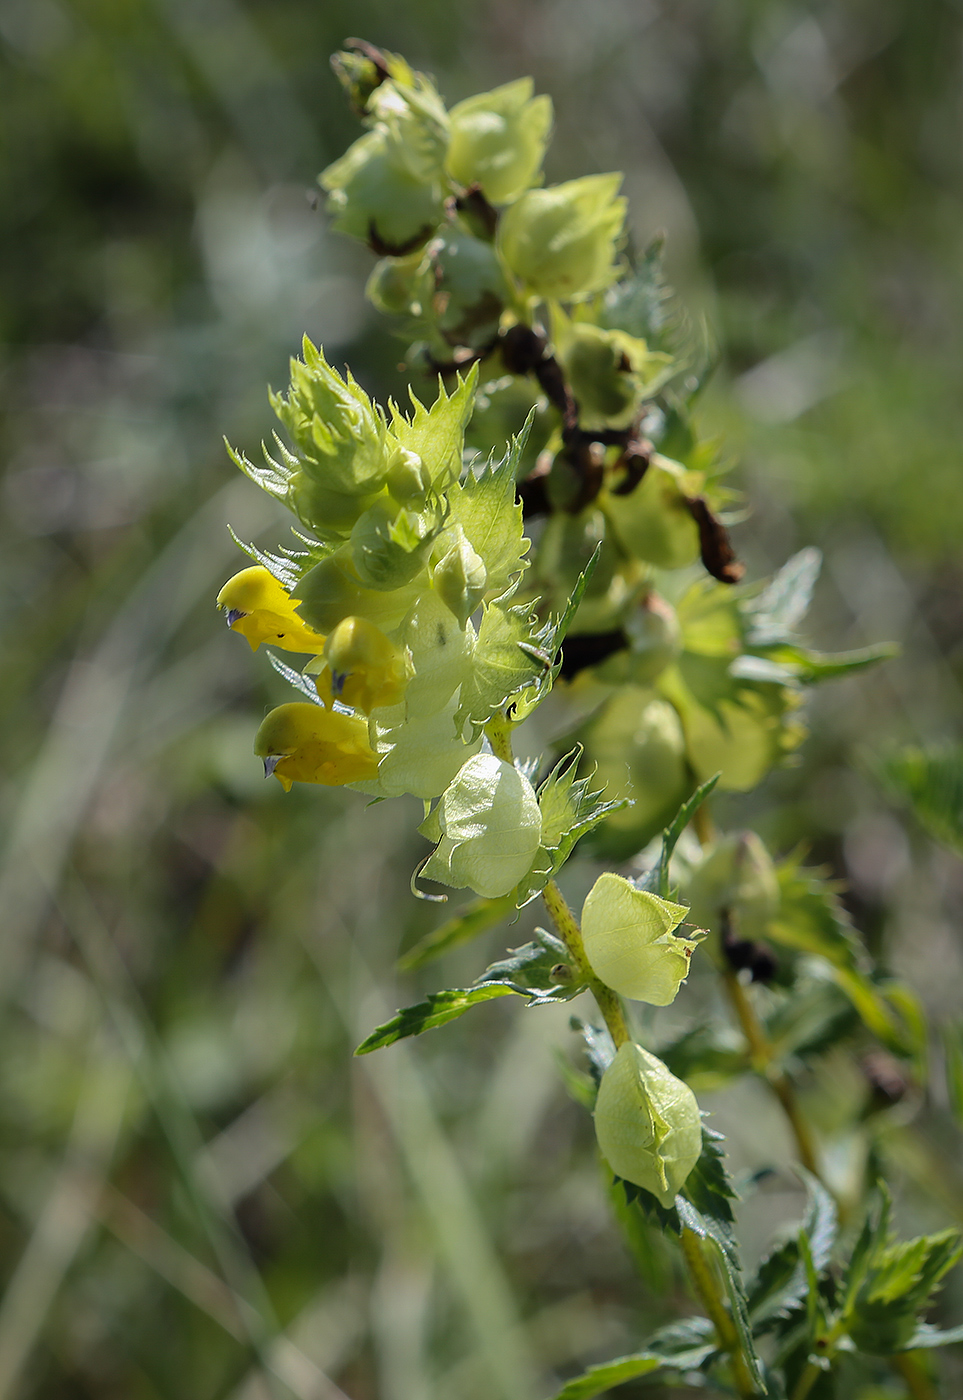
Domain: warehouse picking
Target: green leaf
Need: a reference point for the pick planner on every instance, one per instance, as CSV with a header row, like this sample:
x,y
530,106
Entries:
x,y
541,971
784,1277
927,1336
486,508
545,647
704,1207
437,1009
682,1346
458,930
815,1016
811,667
931,781
500,666
811,919
437,434
569,810
703,1058
776,613
656,880
597,1379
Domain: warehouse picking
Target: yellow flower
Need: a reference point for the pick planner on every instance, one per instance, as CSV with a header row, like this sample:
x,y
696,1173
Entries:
x,y
258,607
363,668
303,743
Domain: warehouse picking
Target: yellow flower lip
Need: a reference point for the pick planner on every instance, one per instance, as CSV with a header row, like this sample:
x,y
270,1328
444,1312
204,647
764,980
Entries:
x,y
255,604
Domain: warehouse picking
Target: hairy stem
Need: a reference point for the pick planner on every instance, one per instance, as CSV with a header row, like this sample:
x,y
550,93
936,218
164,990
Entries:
x,y
571,935
761,1052
761,1056
706,1285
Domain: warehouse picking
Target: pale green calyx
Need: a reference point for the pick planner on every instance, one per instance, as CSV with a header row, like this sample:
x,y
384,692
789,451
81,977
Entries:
x,y
488,826
647,1123
560,242
373,195
630,943
498,139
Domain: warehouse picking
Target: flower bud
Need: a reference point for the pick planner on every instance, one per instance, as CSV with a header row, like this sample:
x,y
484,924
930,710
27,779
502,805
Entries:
x,y
339,436
653,522
498,140
331,591
560,242
401,286
258,607
374,196
303,743
412,115
408,480
737,728
363,669
389,544
629,941
736,877
638,747
490,826
460,579
647,1123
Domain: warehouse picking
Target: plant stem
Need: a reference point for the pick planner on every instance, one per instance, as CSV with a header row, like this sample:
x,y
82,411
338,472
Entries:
x,y
499,732
571,935
918,1383
761,1056
706,1286
760,1047
806,1381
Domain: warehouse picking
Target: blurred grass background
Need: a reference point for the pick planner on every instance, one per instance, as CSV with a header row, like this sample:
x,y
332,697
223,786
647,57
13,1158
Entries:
x,y
201,1194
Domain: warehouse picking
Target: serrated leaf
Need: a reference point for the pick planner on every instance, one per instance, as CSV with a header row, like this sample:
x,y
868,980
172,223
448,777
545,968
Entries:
x,y
539,970
437,434
814,1017
679,1347
500,667
487,509
811,919
656,880
545,647
701,1057
598,1379
931,781
454,932
436,1010
569,810
305,684
776,613
807,667
286,568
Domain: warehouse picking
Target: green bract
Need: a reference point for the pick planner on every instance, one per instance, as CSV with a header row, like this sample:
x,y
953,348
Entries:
x,y
498,139
561,242
608,372
629,941
736,879
653,522
647,1123
488,827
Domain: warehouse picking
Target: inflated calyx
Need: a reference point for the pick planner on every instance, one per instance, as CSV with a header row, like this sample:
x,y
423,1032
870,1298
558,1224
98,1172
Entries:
x,y
647,1123
488,827
630,942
